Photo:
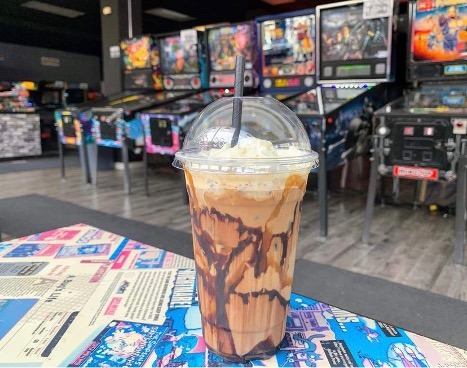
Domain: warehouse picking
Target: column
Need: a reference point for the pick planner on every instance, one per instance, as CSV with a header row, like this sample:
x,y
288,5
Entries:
x,y
120,19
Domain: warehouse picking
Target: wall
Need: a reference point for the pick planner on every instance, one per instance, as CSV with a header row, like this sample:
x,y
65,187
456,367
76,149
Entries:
x,y
19,62
110,26
20,135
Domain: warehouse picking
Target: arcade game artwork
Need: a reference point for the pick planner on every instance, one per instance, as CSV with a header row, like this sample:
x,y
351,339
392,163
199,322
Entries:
x,y
364,43
439,31
178,56
141,62
15,97
227,42
138,52
288,46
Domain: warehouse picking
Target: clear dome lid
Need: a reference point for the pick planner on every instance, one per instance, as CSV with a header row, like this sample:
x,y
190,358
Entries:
x,y
271,139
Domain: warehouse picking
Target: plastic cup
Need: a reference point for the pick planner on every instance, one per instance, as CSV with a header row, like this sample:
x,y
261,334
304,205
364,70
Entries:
x,y
245,205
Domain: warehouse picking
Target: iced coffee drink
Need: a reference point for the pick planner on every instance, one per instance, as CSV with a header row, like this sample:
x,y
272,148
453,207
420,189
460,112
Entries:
x,y
245,204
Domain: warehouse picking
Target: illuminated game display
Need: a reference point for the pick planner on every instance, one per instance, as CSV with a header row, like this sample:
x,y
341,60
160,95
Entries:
x,y
288,46
287,51
140,57
353,43
68,128
179,57
52,98
108,127
120,118
52,94
165,126
224,44
438,42
227,42
182,67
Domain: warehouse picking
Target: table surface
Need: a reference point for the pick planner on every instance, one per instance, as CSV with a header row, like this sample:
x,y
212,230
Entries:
x,y
81,296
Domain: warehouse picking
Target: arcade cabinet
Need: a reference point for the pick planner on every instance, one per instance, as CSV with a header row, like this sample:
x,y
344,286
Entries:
x,y
354,63
287,53
76,94
422,136
53,95
49,96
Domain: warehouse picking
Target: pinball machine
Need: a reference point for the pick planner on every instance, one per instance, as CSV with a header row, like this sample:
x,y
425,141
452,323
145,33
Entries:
x,y
115,121
207,65
74,121
118,124
287,53
224,44
193,61
422,135
354,65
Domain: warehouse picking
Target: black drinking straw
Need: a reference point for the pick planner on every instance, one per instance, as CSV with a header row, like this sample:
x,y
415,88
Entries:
x,y
237,103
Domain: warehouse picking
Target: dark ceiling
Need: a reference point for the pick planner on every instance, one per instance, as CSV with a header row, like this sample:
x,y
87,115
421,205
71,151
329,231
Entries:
x,y
30,27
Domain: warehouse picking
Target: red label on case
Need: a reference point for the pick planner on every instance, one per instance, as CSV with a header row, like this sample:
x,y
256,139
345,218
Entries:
x,y
411,172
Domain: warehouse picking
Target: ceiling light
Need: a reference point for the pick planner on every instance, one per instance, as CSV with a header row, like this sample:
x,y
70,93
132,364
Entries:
x,y
169,14
106,10
278,2
53,9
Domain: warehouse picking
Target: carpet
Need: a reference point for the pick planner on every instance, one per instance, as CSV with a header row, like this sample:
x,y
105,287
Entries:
x,y
419,311
38,163
25,215
422,312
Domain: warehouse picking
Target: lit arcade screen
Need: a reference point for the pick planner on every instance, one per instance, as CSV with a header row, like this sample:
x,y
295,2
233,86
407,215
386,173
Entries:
x,y
353,43
288,46
439,32
139,53
227,42
179,57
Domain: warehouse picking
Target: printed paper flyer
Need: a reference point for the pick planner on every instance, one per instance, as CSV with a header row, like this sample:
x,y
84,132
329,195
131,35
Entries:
x,y
38,303
80,296
128,296
317,335
73,243
150,258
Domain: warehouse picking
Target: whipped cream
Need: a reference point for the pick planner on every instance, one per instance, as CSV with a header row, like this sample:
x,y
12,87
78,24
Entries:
x,y
251,147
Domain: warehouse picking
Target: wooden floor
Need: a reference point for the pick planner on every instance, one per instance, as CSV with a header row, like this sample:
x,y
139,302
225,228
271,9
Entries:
x,y
410,247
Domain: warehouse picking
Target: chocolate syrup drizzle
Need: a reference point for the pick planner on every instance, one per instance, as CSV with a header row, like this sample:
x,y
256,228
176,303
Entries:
x,y
214,277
